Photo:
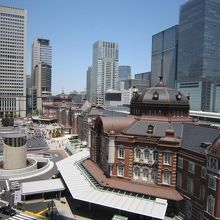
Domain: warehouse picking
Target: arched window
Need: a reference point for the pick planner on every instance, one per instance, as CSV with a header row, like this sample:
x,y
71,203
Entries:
x,y
137,154
155,155
154,175
145,173
120,170
210,204
166,177
146,155
136,172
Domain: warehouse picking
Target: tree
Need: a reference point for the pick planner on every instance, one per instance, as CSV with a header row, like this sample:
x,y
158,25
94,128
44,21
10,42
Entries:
x,y
36,112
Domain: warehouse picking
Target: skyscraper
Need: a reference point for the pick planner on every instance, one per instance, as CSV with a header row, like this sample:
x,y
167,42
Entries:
x,y
41,52
104,68
13,23
42,82
199,53
88,84
41,69
164,56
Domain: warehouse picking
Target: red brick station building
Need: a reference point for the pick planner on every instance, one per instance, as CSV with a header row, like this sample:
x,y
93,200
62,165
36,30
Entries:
x,y
158,151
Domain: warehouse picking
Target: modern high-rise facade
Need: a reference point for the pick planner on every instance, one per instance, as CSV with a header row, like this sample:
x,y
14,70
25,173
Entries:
x,y
42,77
164,56
124,72
41,52
13,24
145,76
198,71
88,83
29,94
140,84
41,69
104,69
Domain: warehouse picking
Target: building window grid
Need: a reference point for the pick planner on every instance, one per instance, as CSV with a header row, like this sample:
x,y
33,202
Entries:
x,y
180,162
166,177
137,173
211,204
213,163
120,170
203,172
137,154
121,153
179,180
145,173
212,182
191,167
167,159
146,155
154,175
202,192
190,185
155,155
188,209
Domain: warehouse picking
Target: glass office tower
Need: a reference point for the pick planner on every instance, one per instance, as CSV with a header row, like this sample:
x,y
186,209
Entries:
x,y
124,72
164,56
41,70
198,70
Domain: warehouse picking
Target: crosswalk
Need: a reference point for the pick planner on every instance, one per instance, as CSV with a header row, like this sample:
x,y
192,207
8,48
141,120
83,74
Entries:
x,y
23,216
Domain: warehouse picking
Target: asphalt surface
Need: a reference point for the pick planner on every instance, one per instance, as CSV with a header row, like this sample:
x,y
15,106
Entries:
x,y
8,196
36,144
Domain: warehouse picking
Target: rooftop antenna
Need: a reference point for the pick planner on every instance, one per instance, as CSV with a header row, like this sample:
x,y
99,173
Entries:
x,y
161,72
161,64
169,120
112,117
161,75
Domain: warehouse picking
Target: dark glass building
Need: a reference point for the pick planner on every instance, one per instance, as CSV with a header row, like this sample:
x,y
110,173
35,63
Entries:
x,y
199,53
124,72
144,75
164,56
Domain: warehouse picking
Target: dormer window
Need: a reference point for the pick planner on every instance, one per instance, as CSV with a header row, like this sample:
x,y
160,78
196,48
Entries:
x,y
213,163
179,96
150,129
155,96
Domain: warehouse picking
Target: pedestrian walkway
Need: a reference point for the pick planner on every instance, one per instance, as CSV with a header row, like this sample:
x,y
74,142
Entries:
x,y
63,208
23,216
17,197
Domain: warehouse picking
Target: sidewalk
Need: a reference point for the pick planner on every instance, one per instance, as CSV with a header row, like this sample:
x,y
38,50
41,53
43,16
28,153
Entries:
x,y
63,208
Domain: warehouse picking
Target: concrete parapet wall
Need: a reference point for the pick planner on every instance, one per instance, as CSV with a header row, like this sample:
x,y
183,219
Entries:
x,y
14,157
28,171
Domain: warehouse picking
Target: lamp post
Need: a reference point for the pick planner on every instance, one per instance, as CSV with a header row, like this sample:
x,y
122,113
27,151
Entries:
x,y
51,214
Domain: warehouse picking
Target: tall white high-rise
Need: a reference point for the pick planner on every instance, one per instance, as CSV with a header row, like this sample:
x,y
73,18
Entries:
x,y
41,70
104,69
13,23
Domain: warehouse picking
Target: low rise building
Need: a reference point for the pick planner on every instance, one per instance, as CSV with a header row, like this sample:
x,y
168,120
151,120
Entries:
x,y
156,157
62,108
160,152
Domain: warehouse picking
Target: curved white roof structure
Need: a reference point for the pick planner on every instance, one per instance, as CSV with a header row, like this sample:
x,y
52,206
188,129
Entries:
x,y
83,189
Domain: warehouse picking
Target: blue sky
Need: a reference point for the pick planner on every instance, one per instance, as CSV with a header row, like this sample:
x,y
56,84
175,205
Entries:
x,y
72,26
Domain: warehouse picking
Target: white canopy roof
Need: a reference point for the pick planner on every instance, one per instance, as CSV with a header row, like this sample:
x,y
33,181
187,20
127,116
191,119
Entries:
x,y
83,190
42,186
